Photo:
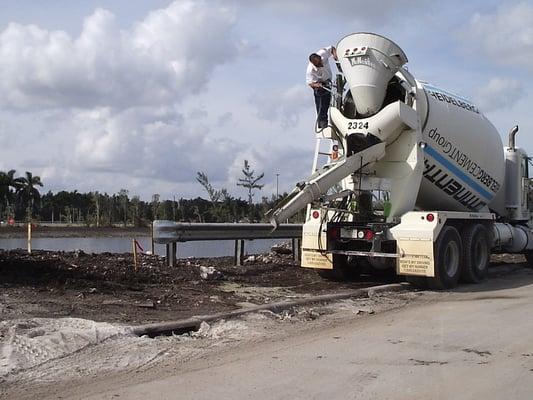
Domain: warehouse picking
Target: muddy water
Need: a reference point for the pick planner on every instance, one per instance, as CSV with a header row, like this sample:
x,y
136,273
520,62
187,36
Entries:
x,y
123,245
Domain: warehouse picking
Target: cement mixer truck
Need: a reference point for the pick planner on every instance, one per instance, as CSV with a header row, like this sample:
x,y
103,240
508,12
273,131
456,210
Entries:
x,y
418,179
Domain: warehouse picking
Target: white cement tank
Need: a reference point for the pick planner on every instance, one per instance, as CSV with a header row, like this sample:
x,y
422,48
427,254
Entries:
x,y
464,165
460,152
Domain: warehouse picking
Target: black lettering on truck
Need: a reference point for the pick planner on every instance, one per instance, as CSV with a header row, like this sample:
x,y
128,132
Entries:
x,y
451,187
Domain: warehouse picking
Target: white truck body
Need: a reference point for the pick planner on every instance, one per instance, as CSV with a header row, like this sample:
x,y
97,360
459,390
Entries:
x,y
439,160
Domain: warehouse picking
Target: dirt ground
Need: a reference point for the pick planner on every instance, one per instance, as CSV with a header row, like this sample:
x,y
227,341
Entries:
x,y
51,346
407,344
106,288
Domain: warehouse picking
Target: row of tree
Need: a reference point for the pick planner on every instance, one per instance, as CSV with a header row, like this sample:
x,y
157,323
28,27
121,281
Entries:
x,y
20,199
102,209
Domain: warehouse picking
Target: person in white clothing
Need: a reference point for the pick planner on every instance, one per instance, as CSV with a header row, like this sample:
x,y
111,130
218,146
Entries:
x,y
318,77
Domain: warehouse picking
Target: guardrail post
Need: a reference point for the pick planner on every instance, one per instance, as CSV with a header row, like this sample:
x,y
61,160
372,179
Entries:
x,y
239,251
152,238
296,249
29,237
171,254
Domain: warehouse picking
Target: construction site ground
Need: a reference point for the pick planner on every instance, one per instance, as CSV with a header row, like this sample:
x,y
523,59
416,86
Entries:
x,y
107,287
64,332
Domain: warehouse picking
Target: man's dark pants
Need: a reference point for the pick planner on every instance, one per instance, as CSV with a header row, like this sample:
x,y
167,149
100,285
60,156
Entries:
x,y
322,100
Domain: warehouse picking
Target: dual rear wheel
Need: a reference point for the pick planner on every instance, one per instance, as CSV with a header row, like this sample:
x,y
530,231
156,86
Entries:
x,y
460,256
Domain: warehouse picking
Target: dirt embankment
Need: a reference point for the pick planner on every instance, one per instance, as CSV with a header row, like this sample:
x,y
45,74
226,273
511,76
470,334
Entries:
x,y
105,287
40,231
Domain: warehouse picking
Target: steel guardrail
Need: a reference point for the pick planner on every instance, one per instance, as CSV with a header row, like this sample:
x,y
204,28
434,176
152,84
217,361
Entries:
x,y
169,231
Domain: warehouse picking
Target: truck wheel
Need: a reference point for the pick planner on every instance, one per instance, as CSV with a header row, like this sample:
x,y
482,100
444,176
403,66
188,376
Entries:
x,y
529,259
448,253
379,267
343,269
476,254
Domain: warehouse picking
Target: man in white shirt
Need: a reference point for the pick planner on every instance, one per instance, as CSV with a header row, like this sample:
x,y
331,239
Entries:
x,y
318,76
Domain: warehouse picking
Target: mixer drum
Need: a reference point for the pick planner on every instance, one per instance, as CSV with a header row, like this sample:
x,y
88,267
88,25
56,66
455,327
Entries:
x,y
464,164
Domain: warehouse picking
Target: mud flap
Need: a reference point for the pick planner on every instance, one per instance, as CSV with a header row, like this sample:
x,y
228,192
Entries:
x,y
416,257
316,259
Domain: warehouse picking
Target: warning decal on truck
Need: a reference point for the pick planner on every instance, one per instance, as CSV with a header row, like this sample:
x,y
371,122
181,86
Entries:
x,y
416,257
315,259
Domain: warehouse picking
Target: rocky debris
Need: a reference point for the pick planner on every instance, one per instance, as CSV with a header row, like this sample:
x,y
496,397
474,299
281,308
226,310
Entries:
x,y
210,273
300,314
282,248
268,258
250,259
79,253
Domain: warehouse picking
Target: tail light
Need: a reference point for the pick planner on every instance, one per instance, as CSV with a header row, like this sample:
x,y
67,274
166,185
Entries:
x,y
334,233
369,235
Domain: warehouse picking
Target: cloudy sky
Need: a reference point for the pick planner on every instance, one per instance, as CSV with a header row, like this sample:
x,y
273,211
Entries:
x,y
142,94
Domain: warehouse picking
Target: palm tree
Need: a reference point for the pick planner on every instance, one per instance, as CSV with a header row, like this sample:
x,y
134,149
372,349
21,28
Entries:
x,y
27,194
9,185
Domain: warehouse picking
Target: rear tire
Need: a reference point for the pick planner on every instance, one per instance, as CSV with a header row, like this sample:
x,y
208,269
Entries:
x,y
448,252
529,259
343,269
476,254
379,267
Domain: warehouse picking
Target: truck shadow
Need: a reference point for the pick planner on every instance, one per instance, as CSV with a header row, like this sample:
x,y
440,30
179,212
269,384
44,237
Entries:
x,y
501,277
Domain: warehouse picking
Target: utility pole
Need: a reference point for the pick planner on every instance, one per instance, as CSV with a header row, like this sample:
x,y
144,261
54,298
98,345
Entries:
x,y
173,208
277,186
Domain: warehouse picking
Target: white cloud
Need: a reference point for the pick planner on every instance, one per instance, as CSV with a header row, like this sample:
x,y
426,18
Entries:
x,y
344,9
159,60
148,143
283,105
114,99
504,37
499,93
225,119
